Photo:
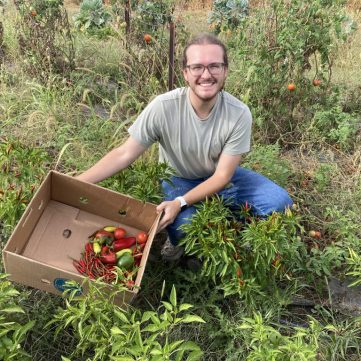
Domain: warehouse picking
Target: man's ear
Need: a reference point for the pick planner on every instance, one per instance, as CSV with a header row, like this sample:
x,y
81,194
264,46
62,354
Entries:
x,y
185,74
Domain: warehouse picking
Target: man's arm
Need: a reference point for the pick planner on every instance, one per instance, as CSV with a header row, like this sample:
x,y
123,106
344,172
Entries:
x,y
114,161
225,169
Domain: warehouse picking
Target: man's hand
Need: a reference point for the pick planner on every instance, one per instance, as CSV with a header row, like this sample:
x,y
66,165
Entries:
x,y
171,210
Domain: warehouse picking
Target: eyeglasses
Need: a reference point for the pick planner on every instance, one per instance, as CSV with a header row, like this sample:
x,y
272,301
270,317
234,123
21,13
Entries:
x,y
213,68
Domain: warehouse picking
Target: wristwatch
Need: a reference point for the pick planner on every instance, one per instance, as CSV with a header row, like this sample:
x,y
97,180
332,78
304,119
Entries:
x,y
183,203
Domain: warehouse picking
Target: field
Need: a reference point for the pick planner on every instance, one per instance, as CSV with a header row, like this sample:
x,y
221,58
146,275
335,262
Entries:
x,y
74,78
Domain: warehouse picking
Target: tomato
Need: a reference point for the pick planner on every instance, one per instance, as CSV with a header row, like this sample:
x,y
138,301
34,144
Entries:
x,y
33,13
291,87
142,237
316,82
315,234
147,38
119,233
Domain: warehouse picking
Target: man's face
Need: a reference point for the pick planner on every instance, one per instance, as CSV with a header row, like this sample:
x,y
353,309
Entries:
x,y
205,86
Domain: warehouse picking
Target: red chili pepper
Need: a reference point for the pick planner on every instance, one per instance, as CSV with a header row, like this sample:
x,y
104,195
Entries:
x,y
88,248
105,250
110,258
123,243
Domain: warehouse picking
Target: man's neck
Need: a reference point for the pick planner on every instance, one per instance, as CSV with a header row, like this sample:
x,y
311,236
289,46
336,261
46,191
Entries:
x,y
200,106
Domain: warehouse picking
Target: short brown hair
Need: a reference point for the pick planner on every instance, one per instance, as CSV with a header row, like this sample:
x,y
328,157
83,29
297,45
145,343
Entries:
x,y
204,39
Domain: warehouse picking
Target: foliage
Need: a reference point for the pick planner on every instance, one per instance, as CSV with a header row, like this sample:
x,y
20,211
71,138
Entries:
x,y
45,38
354,267
227,14
12,333
267,343
245,255
110,332
336,126
265,159
141,180
275,46
153,15
93,16
22,169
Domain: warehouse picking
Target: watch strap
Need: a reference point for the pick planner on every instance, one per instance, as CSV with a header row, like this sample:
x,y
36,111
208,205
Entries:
x,y
183,203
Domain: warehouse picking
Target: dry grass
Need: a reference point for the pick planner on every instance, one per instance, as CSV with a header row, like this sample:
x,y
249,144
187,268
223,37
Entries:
x,y
346,69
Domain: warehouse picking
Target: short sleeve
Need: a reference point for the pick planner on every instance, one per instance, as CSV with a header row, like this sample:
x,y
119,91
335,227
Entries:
x,y
146,128
239,139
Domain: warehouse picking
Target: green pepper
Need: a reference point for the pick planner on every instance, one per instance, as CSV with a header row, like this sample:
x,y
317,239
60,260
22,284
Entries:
x,y
125,261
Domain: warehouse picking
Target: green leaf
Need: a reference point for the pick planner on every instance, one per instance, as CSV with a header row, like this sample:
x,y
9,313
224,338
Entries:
x,y
147,315
13,309
121,316
115,330
151,328
195,355
173,297
192,318
168,306
184,307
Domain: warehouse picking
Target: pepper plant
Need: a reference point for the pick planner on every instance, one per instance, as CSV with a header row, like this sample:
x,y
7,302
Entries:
x,y
107,331
12,332
141,180
244,254
22,169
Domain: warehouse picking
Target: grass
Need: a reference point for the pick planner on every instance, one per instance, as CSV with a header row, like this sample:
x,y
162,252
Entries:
x,y
77,120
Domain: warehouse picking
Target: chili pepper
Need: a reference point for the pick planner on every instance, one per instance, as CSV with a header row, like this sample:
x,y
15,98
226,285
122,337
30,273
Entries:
x,y
123,243
110,258
97,248
88,248
123,251
105,249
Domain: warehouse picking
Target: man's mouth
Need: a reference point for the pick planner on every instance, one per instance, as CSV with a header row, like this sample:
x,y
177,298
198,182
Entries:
x,y
206,84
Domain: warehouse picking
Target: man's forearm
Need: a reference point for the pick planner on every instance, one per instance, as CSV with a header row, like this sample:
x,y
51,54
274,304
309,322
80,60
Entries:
x,y
113,162
110,164
210,186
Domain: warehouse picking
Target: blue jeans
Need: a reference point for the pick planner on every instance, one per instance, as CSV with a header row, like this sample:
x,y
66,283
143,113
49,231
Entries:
x,y
263,195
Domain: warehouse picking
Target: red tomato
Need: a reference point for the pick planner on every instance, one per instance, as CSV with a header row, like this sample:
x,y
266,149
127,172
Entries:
x,y
119,233
142,237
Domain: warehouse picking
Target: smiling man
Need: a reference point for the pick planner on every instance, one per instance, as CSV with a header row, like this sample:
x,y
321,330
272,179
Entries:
x,y
202,132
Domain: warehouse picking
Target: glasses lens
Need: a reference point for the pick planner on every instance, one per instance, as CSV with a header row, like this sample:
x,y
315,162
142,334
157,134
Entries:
x,y
215,68
198,69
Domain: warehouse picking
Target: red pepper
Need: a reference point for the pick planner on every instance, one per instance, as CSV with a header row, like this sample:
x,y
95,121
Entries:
x,y
88,248
123,243
110,258
105,250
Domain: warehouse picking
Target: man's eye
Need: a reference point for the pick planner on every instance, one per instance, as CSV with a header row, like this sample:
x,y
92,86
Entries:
x,y
215,66
196,67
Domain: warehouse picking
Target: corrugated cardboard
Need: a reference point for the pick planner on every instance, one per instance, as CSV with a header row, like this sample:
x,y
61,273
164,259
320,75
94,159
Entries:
x,y
39,253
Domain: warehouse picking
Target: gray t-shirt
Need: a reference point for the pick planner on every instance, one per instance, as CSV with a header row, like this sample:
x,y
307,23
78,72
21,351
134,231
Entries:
x,y
189,144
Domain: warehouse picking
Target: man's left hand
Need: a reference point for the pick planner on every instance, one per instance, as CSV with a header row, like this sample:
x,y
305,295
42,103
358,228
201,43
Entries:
x,y
170,211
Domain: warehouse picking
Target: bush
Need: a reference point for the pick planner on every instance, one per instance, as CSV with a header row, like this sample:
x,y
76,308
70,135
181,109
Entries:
x,y
45,38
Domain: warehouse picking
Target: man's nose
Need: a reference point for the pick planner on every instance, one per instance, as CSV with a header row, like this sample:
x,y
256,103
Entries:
x,y
206,73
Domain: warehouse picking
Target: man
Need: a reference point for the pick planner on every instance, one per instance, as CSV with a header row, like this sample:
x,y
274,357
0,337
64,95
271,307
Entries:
x,y
202,132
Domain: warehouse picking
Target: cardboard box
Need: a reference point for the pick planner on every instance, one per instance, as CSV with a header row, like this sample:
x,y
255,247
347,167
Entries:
x,y
39,253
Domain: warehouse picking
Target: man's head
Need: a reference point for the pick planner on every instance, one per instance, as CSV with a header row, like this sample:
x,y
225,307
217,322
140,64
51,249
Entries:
x,y
205,67
205,39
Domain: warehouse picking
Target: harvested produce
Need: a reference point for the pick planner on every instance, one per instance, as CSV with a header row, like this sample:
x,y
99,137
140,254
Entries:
x,y
109,253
